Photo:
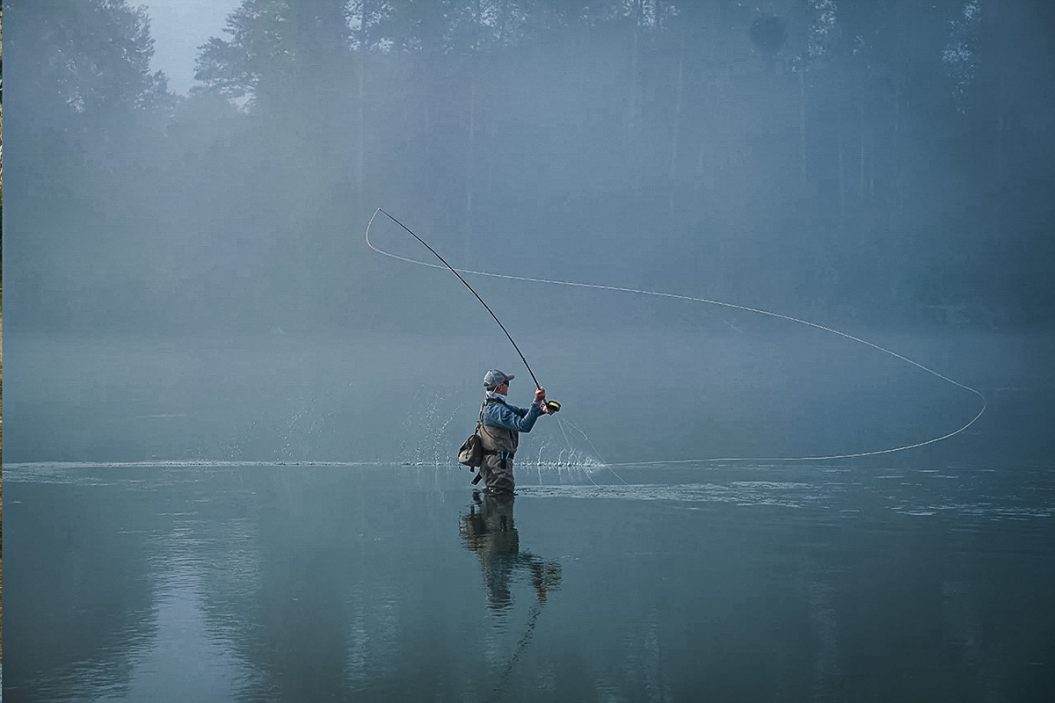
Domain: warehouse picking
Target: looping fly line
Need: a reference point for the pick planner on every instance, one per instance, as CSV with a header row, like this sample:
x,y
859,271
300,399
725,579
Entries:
x,y
731,306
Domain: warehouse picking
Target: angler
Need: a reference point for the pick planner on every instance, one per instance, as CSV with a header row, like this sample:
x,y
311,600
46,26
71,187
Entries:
x,y
499,430
494,442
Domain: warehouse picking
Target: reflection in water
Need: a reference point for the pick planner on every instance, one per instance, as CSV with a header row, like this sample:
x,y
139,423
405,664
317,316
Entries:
x,y
81,590
267,583
488,529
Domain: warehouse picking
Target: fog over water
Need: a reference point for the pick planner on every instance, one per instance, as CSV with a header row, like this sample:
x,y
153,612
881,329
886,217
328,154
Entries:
x,y
727,237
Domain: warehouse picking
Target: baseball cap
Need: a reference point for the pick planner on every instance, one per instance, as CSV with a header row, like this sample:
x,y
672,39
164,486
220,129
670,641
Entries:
x,y
494,378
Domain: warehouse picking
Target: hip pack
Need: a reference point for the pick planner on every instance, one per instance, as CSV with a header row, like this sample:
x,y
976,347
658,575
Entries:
x,y
471,453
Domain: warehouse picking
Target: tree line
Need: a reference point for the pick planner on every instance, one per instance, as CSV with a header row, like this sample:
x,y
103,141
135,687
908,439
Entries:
x,y
843,157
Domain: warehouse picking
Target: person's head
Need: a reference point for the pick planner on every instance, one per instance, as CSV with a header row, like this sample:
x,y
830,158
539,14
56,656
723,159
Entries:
x,y
498,381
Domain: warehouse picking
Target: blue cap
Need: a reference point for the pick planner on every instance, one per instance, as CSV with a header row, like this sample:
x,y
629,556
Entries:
x,y
494,378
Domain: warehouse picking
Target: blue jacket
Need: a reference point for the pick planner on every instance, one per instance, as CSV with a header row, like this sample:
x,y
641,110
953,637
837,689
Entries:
x,y
510,417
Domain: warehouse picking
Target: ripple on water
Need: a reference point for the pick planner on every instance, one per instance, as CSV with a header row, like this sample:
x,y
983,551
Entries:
x,y
744,493
981,510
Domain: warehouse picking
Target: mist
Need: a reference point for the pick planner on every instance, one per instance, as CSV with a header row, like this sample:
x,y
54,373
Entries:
x,y
786,265
883,169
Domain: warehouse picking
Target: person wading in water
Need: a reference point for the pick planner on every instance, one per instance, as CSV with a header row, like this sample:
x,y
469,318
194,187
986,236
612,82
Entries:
x,y
500,428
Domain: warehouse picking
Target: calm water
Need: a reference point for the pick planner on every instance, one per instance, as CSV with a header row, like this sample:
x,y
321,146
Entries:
x,y
267,582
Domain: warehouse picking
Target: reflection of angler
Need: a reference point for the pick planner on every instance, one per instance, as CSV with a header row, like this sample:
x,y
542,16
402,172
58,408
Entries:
x,y
489,531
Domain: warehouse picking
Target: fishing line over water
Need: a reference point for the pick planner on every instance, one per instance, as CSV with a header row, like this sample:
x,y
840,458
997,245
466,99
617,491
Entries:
x,y
722,304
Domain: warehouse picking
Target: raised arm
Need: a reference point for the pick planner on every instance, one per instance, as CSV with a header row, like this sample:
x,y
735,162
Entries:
x,y
513,418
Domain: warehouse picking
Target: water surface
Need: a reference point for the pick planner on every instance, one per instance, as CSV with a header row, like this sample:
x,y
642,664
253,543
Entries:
x,y
245,581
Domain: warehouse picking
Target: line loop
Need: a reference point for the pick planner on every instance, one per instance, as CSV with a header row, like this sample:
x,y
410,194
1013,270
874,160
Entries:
x,y
732,306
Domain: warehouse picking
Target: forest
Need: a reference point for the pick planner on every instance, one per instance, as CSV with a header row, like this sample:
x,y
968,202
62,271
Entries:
x,y
845,159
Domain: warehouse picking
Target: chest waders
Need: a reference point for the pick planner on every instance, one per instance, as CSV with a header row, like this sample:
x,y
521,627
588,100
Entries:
x,y
499,448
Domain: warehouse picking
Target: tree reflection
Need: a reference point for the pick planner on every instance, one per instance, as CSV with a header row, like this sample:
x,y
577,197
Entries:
x,y
81,595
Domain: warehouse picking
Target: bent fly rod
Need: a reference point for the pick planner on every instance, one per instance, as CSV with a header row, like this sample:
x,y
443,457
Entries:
x,y
551,405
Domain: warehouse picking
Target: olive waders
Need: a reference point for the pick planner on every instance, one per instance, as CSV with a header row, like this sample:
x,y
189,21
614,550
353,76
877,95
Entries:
x,y
499,445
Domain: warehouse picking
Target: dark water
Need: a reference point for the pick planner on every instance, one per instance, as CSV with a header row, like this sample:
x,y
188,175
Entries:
x,y
782,583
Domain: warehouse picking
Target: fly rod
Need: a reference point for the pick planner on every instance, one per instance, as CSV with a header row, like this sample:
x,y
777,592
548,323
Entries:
x,y
551,405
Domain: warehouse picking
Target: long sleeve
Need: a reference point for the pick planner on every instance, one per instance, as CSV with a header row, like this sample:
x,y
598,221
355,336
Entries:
x,y
510,417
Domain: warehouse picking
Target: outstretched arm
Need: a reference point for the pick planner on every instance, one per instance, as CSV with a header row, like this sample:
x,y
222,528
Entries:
x,y
508,417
